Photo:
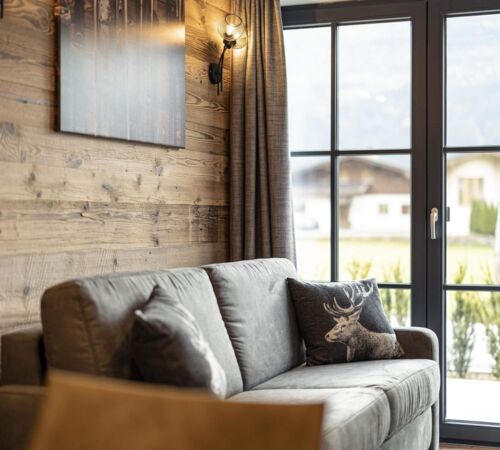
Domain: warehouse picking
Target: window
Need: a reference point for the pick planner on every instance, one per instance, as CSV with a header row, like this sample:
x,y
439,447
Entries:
x,y
470,189
309,86
472,80
383,209
370,156
374,86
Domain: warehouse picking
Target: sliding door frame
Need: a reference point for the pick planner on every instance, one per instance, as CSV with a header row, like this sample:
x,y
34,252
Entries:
x,y
428,286
371,12
451,430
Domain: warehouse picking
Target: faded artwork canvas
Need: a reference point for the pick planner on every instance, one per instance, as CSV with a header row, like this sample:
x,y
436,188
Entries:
x,y
122,69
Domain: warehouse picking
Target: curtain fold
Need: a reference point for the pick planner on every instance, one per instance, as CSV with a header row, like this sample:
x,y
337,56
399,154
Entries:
x,y
261,217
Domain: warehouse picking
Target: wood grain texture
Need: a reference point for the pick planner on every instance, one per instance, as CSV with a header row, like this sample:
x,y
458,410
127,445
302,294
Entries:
x,y
79,225
73,206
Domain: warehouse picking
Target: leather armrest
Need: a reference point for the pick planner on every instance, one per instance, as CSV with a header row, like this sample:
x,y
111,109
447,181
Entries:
x,y
23,357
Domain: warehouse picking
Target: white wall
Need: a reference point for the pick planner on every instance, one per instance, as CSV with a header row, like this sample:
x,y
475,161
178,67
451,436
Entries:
x,y
366,219
310,209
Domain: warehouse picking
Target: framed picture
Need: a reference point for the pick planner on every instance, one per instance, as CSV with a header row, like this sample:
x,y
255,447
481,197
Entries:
x,y
122,69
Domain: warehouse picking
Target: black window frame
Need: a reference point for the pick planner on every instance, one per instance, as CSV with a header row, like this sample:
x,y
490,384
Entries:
x,y
437,289
428,285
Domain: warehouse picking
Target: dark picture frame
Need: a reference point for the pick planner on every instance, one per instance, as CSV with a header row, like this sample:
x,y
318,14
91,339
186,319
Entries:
x,y
122,70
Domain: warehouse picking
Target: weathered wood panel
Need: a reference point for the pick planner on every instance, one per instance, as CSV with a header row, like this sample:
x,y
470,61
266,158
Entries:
x,y
37,146
28,182
25,277
59,226
73,206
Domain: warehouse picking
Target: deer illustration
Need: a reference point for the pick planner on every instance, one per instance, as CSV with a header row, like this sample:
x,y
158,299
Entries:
x,y
352,334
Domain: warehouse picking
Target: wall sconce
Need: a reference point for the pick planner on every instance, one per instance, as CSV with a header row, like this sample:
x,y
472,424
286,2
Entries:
x,y
230,29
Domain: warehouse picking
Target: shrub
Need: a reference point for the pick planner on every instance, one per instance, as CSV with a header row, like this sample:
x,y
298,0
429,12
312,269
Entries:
x,y
396,302
359,269
483,217
464,311
491,319
386,297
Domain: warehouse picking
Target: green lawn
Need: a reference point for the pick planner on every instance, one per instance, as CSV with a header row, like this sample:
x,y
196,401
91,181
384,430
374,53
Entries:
x,y
384,256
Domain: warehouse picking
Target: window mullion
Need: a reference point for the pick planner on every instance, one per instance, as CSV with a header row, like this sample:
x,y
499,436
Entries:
x,y
334,254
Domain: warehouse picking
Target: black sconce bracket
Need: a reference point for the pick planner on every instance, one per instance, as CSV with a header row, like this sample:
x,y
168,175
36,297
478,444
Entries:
x,y
215,69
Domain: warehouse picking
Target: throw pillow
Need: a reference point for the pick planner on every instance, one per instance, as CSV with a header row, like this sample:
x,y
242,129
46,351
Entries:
x,y
343,322
168,346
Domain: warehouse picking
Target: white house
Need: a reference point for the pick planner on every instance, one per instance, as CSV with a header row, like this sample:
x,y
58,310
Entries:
x,y
374,197
472,176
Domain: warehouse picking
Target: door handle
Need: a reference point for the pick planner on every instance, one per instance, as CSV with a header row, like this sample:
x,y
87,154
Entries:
x,y
434,217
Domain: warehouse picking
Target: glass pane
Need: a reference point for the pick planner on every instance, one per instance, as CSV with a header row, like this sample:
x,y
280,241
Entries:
x,y
473,355
473,80
374,217
311,200
396,304
309,83
374,86
473,228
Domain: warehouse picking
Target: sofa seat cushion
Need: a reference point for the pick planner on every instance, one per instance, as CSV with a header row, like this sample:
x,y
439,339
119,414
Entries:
x,y
411,385
354,419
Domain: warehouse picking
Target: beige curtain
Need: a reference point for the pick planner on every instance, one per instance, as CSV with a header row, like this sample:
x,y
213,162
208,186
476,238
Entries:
x,y
261,220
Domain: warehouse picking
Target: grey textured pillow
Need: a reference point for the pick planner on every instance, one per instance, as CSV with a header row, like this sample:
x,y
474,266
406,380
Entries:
x,y
342,322
168,346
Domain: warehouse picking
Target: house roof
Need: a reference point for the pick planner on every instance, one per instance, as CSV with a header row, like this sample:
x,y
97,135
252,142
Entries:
x,y
458,159
364,176
367,161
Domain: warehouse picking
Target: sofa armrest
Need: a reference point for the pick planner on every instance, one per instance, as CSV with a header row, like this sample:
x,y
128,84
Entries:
x,y
422,343
418,343
19,407
23,357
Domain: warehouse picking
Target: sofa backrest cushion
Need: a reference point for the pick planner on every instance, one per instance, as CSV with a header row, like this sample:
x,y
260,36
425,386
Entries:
x,y
87,322
259,316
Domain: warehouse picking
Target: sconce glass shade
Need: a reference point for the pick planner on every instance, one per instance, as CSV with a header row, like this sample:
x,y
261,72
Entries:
x,y
231,28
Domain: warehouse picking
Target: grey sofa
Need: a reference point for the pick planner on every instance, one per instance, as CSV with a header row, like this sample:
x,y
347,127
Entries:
x,y
245,312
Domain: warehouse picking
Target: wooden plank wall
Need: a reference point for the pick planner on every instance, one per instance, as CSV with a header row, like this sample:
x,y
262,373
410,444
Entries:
x,y
74,206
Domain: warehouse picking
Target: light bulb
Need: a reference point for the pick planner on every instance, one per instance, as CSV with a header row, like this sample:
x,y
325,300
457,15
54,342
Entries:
x,y
231,28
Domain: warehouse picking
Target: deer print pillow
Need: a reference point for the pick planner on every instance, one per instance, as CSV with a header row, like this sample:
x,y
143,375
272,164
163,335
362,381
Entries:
x,y
343,322
168,346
